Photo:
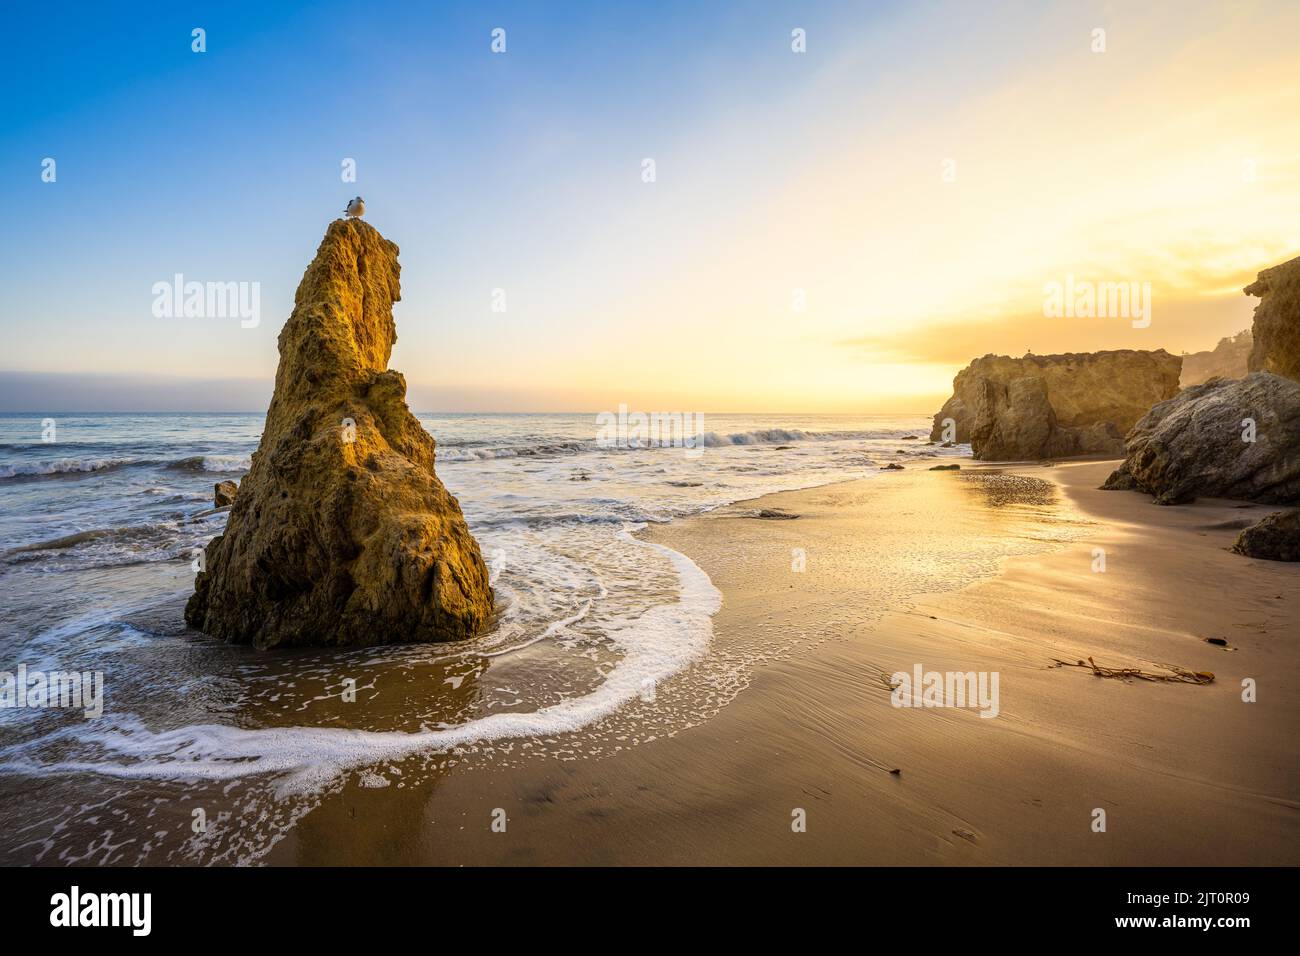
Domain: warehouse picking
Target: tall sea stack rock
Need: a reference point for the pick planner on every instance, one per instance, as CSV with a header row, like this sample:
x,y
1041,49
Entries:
x,y
1277,320
1049,406
341,533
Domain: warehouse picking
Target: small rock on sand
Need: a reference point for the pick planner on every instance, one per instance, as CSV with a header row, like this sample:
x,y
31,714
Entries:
x,y
1276,538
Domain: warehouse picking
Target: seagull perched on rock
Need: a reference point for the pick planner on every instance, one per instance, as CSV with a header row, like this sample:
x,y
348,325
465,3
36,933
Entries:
x,y
356,208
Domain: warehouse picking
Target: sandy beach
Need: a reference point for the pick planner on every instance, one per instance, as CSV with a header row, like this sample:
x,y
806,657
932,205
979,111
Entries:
x,y
1186,773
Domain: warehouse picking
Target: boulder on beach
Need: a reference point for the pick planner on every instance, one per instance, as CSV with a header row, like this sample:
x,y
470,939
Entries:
x,y
1225,438
1276,329
223,493
341,533
1276,538
1054,406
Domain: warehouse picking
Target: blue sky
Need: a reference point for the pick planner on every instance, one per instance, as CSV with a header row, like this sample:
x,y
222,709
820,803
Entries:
x,y
521,171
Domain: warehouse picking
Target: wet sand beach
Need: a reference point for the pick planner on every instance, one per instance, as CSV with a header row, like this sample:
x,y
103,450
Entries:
x,y
983,569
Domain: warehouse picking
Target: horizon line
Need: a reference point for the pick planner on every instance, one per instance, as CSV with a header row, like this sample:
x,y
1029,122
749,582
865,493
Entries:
x,y
15,414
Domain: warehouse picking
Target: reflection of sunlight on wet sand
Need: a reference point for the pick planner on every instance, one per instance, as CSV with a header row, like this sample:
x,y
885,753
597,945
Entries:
x,y
356,837
923,532
918,532
1001,489
815,727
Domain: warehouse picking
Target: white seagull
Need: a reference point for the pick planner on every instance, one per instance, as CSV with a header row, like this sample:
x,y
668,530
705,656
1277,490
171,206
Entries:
x,y
356,208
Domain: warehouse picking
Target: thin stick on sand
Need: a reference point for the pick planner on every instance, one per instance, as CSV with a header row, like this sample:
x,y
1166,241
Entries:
x,y
1176,675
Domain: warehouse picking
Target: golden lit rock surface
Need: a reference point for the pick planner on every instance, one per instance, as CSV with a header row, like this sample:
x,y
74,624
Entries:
x,y
1277,320
341,533
1049,406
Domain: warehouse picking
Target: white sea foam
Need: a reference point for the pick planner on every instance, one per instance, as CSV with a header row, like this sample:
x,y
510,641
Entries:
x,y
61,466
225,463
654,646
214,463
450,452
73,466
773,436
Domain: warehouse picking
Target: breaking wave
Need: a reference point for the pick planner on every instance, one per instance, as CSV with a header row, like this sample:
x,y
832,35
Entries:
x,y
453,451
79,466
213,463
62,466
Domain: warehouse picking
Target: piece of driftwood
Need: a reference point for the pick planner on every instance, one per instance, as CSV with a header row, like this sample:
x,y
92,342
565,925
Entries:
x,y
1176,675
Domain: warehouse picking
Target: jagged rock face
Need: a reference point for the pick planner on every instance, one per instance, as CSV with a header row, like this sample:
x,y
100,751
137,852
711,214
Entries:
x,y
341,533
1277,320
223,493
1229,359
1049,406
1276,538
1012,418
1196,443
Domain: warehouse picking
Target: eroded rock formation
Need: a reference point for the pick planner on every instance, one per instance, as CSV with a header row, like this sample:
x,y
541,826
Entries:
x,y
1277,320
1225,438
1050,406
341,533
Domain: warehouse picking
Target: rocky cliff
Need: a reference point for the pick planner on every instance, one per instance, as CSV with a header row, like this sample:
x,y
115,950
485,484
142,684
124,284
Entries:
x,y
1229,359
1277,320
341,533
1042,406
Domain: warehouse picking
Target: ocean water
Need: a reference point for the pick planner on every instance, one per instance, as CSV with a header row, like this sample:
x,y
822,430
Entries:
x,y
602,639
